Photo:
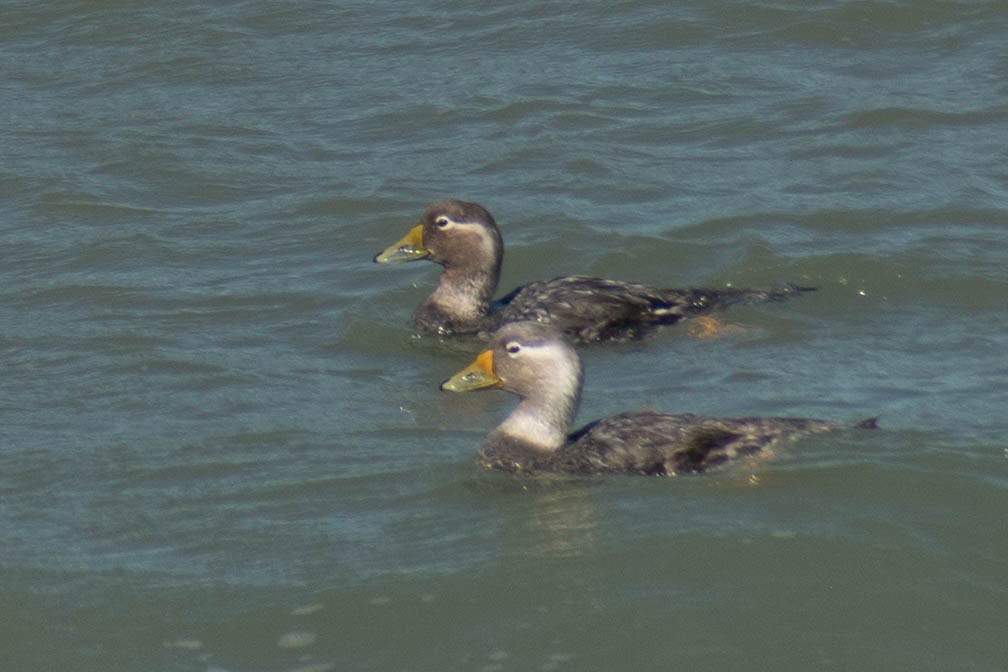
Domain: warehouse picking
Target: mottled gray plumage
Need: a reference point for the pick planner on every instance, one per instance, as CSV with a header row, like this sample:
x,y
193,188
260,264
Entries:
x,y
590,309
528,357
464,239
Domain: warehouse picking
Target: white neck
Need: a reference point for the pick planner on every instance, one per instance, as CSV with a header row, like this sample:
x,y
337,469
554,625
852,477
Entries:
x,y
547,409
530,427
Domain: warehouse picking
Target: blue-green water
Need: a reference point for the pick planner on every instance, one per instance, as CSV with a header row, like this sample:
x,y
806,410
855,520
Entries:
x,y
222,448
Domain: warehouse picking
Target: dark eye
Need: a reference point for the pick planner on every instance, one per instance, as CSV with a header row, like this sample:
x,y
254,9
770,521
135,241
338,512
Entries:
x,y
513,348
442,222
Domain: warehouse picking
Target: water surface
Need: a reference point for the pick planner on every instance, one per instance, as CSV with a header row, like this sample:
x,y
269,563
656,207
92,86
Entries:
x,y
223,448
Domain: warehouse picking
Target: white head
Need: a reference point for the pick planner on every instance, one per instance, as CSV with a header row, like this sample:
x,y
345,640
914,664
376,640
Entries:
x,y
536,362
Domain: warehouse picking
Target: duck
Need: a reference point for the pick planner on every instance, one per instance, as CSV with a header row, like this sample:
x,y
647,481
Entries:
x,y
464,239
539,364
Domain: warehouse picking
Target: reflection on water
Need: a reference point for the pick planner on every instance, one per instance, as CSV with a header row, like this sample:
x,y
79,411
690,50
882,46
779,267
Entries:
x,y
563,522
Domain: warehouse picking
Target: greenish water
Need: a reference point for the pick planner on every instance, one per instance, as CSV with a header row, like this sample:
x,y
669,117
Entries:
x,y
222,448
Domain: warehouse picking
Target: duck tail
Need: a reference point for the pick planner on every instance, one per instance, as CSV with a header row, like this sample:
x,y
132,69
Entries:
x,y
782,293
750,296
787,291
870,423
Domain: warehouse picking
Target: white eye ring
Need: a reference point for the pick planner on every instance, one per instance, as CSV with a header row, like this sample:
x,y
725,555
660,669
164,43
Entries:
x,y
513,348
442,222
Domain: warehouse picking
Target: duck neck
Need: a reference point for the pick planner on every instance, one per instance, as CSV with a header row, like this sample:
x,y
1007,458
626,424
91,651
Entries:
x,y
543,418
464,293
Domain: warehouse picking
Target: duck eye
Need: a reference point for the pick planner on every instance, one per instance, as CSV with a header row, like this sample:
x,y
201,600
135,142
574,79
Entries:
x,y
513,348
442,222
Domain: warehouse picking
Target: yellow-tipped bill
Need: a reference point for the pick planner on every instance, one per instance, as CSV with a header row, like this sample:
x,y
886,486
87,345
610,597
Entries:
x,y
477,376
409,248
